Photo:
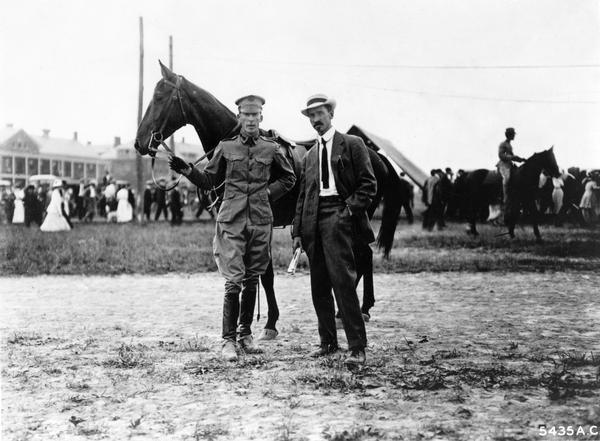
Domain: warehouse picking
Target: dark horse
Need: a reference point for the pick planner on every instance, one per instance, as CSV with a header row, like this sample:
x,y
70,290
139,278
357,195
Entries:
x,y
177,102
483,186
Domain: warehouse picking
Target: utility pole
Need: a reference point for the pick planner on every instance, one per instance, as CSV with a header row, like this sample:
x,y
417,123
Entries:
x,y
172,140
138,158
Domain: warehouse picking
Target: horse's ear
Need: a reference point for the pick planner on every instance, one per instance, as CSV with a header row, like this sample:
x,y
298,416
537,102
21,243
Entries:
x,y
166,72
552,148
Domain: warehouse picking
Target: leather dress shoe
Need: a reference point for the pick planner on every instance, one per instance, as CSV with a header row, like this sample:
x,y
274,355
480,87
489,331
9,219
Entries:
x,y
247,344
228,352
356,357
324,350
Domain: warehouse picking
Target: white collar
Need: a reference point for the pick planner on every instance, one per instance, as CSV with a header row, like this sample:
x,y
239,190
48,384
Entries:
x,y
328,135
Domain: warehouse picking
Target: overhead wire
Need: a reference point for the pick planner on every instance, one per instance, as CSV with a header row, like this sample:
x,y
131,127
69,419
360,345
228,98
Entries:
x,y
414,66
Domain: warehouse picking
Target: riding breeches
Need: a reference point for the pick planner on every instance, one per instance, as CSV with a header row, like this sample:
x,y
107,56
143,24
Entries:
x,y
505,171
242,249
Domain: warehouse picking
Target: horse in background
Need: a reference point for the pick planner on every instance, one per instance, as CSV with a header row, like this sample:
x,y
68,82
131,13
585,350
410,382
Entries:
x,y
177,102
478,190
484,187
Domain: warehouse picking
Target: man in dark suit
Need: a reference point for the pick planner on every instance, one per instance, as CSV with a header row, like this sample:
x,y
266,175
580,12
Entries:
x,y
148,199
336,189
175,206
160,198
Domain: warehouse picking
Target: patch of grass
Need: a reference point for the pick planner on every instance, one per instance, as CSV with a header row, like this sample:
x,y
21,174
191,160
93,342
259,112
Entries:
x,y
564,384
158,248
193,344
209,432
353,434
135,422
78,386
575,359
129,356
90,431
331,379
28,338
446,355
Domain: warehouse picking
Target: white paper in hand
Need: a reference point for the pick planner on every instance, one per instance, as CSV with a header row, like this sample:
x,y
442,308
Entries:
x,y
292,267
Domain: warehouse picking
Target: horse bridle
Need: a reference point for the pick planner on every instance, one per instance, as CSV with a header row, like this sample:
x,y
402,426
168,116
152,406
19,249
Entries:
x,y
157,136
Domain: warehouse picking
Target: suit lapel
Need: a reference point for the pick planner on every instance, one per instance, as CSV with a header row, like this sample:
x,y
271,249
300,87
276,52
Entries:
x,y
337,150
312,164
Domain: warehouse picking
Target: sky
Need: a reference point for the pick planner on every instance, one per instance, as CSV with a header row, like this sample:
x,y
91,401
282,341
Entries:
x,y
440,79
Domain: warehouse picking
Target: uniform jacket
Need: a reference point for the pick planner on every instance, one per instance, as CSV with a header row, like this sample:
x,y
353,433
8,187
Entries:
x,y
244,165
354,180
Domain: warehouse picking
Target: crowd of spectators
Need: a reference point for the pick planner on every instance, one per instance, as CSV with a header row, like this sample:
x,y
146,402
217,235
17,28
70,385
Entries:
x,y
115,201
108,201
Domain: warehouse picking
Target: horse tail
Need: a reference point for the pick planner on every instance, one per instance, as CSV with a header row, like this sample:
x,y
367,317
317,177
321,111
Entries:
x,y
395,193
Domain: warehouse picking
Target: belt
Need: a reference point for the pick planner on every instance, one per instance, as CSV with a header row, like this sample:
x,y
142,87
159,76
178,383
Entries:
x,y
333,198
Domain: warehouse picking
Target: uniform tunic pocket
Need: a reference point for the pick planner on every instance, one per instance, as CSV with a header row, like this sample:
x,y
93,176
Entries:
x,y
261,169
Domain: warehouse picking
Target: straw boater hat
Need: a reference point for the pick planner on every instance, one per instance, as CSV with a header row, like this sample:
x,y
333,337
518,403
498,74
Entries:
x,y
57,183
320,99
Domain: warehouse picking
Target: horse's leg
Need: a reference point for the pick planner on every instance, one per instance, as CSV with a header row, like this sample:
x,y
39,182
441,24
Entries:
x,y
267,281
408,211
472,206
510,218
533,212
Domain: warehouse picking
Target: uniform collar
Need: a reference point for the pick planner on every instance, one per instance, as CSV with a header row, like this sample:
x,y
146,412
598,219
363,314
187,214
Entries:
x,y
248,140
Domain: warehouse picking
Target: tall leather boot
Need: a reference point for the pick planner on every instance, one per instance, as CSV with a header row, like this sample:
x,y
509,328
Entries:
x,y
249,288
231,310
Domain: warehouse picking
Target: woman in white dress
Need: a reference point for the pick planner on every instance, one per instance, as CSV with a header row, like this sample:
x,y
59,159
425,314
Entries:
x,y
124,209
558,193
19,213
55,213
589,200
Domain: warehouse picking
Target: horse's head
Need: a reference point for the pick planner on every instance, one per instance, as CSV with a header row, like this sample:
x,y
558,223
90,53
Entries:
x,y
549,163
543,161
166,113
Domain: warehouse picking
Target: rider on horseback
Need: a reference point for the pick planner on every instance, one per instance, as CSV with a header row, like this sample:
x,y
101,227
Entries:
x,y
505,164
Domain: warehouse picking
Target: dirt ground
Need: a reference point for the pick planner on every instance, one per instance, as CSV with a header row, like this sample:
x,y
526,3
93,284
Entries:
x,y
465,356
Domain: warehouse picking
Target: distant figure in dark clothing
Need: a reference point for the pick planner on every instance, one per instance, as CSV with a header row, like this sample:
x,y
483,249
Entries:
x,y
32,207
408,202
131,200
432,198
148,196
90,200
8,200
80,201
161,203
175,206
106,179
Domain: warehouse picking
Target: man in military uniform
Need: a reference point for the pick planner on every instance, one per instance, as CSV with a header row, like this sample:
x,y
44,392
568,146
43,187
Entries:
x,y
505,165
244,224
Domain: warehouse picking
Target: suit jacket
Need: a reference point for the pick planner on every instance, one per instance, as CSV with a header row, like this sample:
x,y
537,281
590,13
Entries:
x,y
354,180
